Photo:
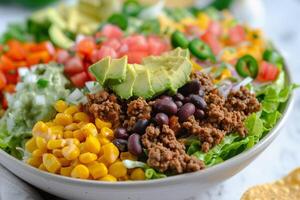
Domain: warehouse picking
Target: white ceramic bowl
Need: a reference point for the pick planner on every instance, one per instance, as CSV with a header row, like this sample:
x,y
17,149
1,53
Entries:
x,y
178,187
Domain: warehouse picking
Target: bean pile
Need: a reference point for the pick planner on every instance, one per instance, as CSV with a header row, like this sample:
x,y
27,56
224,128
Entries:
x,y
72,145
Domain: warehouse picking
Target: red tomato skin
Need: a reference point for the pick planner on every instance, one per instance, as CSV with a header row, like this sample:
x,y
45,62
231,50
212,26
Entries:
x,y
12,77
267,72
3,80
236,34
85,46
62,56
136,56
91,76
157,46
215,28
136,43
73,66
212,42
110,31
113,43
79,79
106,51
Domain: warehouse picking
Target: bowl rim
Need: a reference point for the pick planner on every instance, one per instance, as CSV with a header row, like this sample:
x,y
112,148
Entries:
x,y
171,179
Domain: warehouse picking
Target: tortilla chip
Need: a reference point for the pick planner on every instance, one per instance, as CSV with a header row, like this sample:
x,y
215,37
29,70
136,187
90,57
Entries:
x,y
292,178
171,3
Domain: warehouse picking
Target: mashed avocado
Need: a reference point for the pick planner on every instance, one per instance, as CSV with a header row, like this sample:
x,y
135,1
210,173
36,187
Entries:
x,y
33,101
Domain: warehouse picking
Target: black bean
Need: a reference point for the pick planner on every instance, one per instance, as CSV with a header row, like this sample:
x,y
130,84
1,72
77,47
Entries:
x,y
165,106
199,114
192,87
121,144
165,97
178,104
187,100
198,101
186,111
140,126
121,133
134,144
178,97
161,119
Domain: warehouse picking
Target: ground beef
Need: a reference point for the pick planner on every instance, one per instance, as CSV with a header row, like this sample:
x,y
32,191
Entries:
x,y
104,106
166,153
204,79
137,109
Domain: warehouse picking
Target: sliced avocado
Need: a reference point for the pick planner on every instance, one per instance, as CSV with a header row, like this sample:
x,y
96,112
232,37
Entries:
x,y
55,18
100,69
117,71
39,17
124,90
178,52
142,86
59,38
72,20
160,80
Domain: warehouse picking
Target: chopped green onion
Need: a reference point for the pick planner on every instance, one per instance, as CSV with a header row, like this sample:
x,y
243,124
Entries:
x,y
42,83
178,39
119,20
201,50
247,66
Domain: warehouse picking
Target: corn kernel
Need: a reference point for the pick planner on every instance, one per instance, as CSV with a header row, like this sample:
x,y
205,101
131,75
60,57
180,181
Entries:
x,y
124,178
117,169
38,153
57,153
56,144
110,153
55,131
81,117
30,145
80,171
51,162
109,178
75,162
81,124
71,152
87,157
49,124
60,106
34,161
92,144
71,110
39,129
89,129
107,132
68,134
101,124
41,143
78,134
63,119
64,162
102,160
137,174
42,167
103,140
97,170
127,156
70,141
71,127
66,171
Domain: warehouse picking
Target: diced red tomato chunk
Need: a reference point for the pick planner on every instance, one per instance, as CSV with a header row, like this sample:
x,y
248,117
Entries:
x,y
79,79
212,42
73,65
110,31
267,72
237,34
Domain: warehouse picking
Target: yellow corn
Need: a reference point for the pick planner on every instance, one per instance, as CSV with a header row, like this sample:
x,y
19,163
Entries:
x,y
68,134
110,153
101,124
71,110
87,157
71,152
71,127
55,132
39,129
117,169
38,153
92,144
109,178
81,124
51,162
63,119
42,167
203,21
78,134
56,144
137,174
80,171
127,156
103,140
64,162
60,106
124,178
97,170
34,161
30,145
66,171
41,143
57,153
70,141
89,129
107,132
50,123
81,117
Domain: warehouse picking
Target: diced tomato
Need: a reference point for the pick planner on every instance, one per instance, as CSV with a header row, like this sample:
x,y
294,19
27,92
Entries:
x,y
111,31
103,52
73,66
113,43
16,51
157,45
38,57
215,28
237,34
86,46
92,77
6,63
4,103
43,46
212,42
10,88
267,72
136,43
3,80
12,76
136,56
62,56
79,79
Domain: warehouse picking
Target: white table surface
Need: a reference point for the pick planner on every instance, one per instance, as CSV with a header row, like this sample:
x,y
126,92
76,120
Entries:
x,y
282,26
